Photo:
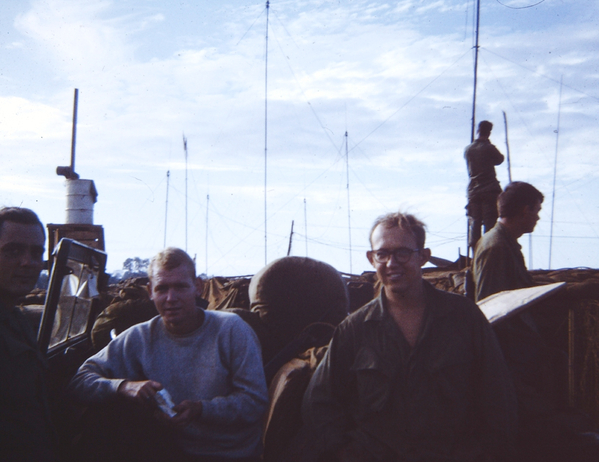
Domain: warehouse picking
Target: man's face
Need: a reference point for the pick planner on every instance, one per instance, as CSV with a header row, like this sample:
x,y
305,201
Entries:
x,y
21,258
397,278
530,217
174,294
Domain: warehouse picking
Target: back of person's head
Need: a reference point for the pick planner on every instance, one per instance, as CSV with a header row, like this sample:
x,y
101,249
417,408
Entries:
x,y
19,215
405,222
485,127
515,197
169,259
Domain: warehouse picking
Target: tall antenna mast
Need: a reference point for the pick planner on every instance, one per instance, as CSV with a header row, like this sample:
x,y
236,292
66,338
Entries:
x,y
559,111
348,207
290,239
266,137
185,148
475,71
306,226
207,209
507,147
472,128
168,176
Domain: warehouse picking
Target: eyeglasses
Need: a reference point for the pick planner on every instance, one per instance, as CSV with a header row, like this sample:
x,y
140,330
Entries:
x,y
401,255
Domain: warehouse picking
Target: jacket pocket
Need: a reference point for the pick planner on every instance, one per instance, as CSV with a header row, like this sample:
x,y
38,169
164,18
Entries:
x,y
373,381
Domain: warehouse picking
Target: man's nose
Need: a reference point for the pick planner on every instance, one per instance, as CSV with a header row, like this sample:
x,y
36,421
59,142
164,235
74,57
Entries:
x,y
171,294
393,261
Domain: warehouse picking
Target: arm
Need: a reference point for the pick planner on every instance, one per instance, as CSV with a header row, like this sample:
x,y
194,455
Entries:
x,y
491,271
112,371
249,397
495,156
323,407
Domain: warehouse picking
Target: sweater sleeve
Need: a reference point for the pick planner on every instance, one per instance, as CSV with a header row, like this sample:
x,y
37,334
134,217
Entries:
x,y
99,377
249,398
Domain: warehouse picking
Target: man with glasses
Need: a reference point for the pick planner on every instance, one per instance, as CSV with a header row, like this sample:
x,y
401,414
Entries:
x,y
416,374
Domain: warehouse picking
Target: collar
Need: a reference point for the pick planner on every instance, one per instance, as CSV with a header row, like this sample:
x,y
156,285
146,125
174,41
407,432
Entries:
x,y
433,308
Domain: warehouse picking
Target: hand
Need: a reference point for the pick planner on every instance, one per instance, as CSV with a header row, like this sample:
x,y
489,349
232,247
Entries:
x,y
187,412
142,391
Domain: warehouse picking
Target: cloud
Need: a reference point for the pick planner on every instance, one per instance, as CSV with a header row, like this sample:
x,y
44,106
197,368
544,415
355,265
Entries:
x,y
397,77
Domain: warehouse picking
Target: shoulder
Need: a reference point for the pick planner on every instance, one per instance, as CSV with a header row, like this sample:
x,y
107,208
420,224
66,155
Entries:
x,y
223,322
361,314
223,318
491,241
457,312
139,333
353,326
449,300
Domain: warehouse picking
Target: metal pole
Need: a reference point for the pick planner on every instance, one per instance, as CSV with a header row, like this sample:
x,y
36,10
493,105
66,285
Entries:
x,y
348,205
475,71
207,209
559,111
185,148
306,226
74,134
266,138
507,147
290,239
168,176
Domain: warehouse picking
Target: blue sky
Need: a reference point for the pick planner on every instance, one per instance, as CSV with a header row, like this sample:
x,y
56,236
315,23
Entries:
x,y
397,76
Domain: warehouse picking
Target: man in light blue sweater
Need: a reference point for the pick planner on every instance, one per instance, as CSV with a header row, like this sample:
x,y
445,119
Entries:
x,y
209,362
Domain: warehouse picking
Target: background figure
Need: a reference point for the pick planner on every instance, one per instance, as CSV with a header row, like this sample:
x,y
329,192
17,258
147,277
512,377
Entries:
x,y
483,189
549,430
26,432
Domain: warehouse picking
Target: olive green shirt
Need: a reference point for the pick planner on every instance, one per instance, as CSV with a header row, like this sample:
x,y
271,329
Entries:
x,y
447,399
498,264
26,433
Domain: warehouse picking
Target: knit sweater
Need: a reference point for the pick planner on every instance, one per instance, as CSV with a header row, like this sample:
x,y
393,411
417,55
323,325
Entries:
x,y
218,364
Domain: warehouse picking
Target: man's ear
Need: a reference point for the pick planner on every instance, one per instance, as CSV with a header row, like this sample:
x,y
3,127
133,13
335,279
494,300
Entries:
x,y
370,257
425,255
199,283
149,289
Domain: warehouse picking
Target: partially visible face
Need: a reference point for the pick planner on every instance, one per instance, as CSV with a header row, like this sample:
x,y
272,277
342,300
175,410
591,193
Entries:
x,y
21,258
174,294
398,278
531,217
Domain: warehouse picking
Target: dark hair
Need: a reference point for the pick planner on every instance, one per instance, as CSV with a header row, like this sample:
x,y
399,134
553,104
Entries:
x,y
485,127
19,215
171,258
403,221
515,197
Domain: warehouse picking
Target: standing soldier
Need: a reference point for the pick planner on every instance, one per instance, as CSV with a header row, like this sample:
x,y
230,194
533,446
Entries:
x,y
483,189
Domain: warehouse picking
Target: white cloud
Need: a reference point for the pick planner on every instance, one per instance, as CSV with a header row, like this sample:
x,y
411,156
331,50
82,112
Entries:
x,y
397,76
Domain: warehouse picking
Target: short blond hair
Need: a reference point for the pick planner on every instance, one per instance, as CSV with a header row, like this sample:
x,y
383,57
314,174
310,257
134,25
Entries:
x,y
171,258
403,221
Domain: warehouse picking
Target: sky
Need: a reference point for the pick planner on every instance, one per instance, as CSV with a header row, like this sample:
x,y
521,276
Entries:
x,y
397,77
